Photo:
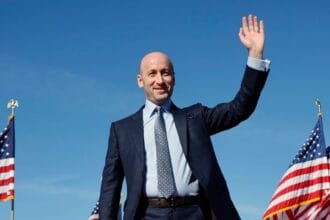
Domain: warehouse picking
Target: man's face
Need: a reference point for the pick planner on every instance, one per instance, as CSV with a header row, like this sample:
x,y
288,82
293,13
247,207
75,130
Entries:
x,y
156,77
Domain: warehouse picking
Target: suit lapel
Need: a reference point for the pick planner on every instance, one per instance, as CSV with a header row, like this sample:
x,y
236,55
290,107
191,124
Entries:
x,y
138,137
181,126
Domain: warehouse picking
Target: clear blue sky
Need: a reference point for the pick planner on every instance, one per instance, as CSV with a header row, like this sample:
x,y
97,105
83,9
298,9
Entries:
x,y
73,64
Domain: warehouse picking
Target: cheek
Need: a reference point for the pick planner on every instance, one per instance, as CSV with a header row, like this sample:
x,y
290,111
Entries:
x,y
145,82
148,85
170,82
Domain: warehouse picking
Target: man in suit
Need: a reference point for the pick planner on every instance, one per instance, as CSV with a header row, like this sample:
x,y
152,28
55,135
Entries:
x,y
165,153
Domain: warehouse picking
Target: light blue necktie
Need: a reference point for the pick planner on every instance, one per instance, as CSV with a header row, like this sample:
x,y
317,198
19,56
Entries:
x,y
164,167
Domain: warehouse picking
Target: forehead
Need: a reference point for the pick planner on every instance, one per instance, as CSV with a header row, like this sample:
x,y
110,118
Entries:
x,y
155,61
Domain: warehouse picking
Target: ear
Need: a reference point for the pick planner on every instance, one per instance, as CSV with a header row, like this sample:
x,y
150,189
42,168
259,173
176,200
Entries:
x,y
139,80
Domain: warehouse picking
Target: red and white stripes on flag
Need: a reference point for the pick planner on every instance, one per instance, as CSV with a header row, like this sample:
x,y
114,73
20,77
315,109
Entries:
x,y
7,179
302,191
322,209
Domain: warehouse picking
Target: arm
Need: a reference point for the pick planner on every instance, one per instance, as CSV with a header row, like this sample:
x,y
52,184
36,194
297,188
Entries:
x,y
227,115
112,180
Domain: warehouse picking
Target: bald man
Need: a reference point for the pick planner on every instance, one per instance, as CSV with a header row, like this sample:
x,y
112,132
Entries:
x,y
165,152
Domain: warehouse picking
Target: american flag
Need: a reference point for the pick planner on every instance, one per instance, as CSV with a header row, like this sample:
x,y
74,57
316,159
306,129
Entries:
x,y
303,191
322,210
95,213
7,157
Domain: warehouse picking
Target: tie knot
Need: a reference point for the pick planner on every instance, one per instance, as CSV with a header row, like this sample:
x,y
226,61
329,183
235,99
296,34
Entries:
x,y
159,110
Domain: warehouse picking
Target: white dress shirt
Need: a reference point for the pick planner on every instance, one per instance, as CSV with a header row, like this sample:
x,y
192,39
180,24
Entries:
x,y
181,170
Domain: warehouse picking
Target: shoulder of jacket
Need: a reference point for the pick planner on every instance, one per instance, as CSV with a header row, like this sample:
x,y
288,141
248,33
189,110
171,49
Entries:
x,y
193,108
129,118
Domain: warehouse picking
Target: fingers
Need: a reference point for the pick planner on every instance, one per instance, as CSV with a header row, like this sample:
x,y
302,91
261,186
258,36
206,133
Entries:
x,y
241,35
255,23
262,28
244,25
251,24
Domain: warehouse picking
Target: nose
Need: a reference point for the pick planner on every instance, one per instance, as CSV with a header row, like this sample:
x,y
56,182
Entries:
x,y
159,78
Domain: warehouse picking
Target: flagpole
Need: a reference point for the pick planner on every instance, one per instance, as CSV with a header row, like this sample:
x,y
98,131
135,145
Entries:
x,y
12,104
12,216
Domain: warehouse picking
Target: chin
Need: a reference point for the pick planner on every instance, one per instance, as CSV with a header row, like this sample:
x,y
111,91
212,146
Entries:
x,y
161,101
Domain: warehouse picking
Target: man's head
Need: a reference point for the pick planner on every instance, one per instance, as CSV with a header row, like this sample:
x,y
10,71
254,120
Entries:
x,y
156,77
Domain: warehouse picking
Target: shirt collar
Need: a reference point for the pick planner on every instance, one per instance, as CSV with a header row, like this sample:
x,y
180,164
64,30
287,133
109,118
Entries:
x,y
150,107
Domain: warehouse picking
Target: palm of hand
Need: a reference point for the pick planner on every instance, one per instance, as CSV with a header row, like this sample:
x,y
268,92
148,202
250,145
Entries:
x,y
252,36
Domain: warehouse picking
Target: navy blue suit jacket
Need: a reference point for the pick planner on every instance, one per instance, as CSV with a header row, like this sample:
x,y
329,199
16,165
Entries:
x,y
195,125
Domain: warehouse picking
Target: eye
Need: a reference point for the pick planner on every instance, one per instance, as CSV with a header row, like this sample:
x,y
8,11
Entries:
x,y
166,72
152,74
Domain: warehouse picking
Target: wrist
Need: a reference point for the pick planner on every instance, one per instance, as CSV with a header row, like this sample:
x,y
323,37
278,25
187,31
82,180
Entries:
x,y
255,54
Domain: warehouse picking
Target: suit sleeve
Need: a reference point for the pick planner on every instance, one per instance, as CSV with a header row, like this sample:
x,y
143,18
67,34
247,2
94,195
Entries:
x,y
112,180
227,115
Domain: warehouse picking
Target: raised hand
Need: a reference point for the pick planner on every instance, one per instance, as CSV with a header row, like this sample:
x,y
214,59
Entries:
x,y
252,36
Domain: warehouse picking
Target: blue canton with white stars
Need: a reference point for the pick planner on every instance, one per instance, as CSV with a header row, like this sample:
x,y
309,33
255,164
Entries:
x,y
314,147
7,149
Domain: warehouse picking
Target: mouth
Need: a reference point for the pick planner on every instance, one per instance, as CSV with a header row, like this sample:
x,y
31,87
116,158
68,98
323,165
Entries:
x,y
161,90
